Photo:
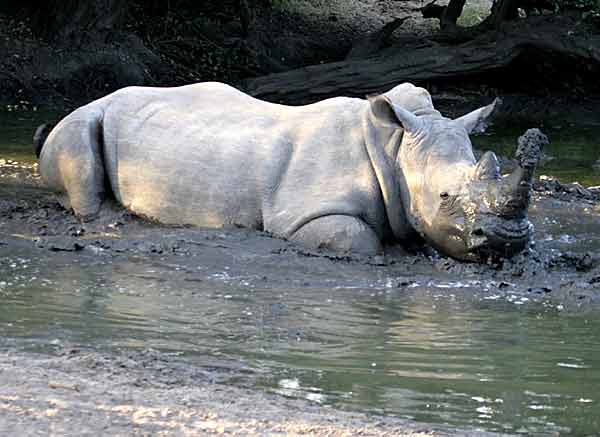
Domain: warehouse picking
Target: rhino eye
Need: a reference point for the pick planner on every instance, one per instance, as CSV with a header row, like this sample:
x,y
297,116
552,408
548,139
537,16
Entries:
x,y
444,195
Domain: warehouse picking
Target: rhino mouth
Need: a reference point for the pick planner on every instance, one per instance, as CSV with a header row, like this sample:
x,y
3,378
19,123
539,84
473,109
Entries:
x,y
500,237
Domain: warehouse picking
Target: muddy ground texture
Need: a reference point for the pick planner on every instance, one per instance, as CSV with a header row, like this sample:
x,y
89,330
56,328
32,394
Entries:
x,y
90,392
31,216
148,393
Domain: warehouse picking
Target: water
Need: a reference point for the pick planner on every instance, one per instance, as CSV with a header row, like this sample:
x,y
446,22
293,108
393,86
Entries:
x,y
16,133
573,154
436,352
442,351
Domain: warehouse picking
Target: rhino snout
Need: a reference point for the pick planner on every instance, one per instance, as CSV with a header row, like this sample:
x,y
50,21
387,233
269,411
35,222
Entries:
x,y
499,237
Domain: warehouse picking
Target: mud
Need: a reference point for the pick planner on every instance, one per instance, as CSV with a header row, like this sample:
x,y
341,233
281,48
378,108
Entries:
x,y
32,216
148,393
74,391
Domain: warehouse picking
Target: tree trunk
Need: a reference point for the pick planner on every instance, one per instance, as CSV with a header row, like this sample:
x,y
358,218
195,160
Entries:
x,y
448,15
487,53
502,10
451,14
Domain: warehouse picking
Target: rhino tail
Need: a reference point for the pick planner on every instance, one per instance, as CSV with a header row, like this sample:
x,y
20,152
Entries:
x,y
39,137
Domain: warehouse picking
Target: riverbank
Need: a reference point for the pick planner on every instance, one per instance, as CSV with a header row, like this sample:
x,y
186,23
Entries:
x,y
562,267
92,295
149,393
181,47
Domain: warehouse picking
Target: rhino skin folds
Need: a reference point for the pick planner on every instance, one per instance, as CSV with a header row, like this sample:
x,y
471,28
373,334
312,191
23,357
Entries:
x,y
344,173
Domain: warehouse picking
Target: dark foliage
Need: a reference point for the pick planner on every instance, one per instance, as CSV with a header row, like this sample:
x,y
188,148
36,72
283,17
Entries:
x,y
120,42
83,49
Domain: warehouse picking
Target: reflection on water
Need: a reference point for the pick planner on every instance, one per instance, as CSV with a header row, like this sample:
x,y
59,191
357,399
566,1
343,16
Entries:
x,y
437,359
439,352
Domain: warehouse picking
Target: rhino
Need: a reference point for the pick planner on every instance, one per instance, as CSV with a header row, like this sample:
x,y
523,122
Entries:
x,y
346,174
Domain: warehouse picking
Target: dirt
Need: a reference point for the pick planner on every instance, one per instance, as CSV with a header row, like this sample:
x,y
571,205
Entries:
x,y
79,392
148,393
31,215
38,74
60,74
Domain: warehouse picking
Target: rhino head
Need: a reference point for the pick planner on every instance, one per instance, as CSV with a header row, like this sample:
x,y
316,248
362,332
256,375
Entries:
x,y
463,207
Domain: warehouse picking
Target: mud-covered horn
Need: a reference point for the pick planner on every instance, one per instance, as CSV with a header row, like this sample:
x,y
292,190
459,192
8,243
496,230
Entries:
x,y
517,185
529,149
487,167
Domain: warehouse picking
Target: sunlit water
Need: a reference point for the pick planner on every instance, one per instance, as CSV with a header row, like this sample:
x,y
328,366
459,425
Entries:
x,y
442,352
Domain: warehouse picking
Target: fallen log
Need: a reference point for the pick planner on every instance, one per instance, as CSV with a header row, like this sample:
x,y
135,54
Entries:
x,y
557,38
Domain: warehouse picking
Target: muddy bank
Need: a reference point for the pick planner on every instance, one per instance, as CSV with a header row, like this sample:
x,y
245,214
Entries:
x,y
181,47
97,382
562,266
148,393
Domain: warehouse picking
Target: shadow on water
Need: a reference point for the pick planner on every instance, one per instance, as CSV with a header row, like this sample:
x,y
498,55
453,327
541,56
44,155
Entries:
x,y
436,349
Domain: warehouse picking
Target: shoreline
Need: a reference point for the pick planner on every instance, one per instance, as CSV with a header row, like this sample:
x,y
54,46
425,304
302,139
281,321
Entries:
x,y
149,393
75,391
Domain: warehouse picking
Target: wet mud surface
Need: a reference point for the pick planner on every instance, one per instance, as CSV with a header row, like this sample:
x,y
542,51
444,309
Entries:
x,y
154,392
563,264
148,393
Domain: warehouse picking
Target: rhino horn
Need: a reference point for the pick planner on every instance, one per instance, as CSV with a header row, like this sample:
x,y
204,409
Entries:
x,y
487,168
516,190
516,187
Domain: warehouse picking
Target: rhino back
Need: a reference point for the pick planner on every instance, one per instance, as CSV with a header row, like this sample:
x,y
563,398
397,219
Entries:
x,y
209,155
173,154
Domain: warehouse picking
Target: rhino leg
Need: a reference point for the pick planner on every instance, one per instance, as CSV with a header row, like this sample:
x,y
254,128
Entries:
x,y
73,164
341,233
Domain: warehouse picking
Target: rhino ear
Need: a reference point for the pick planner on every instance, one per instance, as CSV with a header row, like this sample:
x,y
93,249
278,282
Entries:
x,y
478,120
390,115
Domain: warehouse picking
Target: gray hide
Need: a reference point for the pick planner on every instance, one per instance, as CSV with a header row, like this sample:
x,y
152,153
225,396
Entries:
x,y
326,175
